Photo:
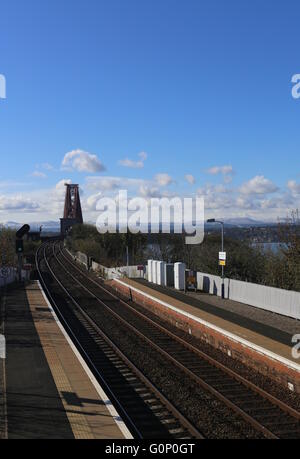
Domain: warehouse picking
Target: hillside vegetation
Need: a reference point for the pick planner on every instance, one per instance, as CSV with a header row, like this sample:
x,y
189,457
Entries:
x,y
245,261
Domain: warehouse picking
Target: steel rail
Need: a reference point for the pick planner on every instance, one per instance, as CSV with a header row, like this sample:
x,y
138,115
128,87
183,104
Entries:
x,y
170,407
249,419
276,402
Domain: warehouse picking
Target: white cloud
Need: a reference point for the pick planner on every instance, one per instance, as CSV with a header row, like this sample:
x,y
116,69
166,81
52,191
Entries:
x,y
93,200
106,183
18,203
39,174
143,155
59,191
213,190
13,184
220,170
258,185
243,202
216,196
163,179
227,172
82,161
47,166
149,192
294,187
190,179
134,164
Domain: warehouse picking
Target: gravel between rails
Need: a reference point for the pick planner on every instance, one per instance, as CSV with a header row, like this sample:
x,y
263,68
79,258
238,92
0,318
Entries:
x,y
208,414
284,394
266,383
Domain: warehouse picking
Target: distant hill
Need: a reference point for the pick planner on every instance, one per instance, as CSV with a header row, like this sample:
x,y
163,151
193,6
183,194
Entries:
x,y
245,221
49,226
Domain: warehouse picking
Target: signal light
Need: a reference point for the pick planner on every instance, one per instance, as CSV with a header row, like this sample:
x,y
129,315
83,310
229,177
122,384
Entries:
x,y
19,246
22,231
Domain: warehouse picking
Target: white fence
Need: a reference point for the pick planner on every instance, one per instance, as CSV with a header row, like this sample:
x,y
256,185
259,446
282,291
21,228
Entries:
x,y
211,284
122,271
109,273
277,300
83,258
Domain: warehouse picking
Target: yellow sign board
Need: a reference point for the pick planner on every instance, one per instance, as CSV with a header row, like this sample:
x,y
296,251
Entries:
x,y
222,263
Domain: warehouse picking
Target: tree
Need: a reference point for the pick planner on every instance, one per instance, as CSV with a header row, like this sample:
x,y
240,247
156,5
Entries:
x,y
290,250
7,247
107,249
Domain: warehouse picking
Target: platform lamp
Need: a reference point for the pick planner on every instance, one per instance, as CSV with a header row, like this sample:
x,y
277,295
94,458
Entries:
x,y
213,220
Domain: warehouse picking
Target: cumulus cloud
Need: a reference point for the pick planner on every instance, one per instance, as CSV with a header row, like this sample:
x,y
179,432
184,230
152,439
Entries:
x,y
18,203
93,200
149,191
59,191
220,170
82,161
258,185
163,179
216,196
190,179
243,202
134,164
227,172
294,187
213,190
106,183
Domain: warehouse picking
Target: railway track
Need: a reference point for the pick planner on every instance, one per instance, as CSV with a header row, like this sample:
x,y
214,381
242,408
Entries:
x,y
145,410
264,413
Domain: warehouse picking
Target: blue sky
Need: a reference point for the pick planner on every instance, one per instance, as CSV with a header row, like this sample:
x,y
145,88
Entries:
x,y
198,87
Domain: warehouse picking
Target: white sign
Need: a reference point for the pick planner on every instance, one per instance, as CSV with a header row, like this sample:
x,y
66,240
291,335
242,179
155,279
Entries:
x,y
222,256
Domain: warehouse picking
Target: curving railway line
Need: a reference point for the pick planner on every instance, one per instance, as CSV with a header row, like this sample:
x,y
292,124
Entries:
x,y
162,386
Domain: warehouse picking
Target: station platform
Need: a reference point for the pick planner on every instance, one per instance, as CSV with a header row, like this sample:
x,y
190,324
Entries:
x,y
46,389
261,339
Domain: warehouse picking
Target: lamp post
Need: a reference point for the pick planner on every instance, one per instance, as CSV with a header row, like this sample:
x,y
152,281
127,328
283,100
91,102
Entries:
x,y
213,220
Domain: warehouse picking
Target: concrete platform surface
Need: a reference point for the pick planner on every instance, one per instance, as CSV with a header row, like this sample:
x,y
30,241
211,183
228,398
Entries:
x,y
46,391
262,335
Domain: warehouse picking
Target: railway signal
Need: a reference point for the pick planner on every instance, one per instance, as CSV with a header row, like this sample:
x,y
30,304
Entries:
x,y
22,231
20,247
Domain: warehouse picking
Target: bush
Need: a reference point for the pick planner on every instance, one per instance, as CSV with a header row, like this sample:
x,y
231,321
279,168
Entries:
x,y
7,247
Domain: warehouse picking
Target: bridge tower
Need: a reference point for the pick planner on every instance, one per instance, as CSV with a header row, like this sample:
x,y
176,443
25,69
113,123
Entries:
x,y
72,211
